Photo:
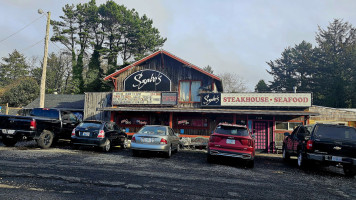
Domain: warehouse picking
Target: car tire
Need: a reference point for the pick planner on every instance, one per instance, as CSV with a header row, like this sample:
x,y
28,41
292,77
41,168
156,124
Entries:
x,y
285,154
75,146
178,148
210,158
46,139
349,170
135,153
107,146
9,142
302,162
250,164
169,153
124,144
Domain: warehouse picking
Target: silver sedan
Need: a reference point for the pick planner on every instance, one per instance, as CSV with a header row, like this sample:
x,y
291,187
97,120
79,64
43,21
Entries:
x,y
155,138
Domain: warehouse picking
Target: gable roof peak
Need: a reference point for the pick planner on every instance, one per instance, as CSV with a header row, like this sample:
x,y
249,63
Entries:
x,y
161,51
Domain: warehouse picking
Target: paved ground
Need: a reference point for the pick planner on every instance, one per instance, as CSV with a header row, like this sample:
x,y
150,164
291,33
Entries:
x,y
27,172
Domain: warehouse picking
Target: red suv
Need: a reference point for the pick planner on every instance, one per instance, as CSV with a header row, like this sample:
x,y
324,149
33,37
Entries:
x,y
232,140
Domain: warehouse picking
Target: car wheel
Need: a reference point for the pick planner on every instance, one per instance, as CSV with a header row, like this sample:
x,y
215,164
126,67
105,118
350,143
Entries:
x,y
285,154
178,148
169,153
9,142
75,146
210,158
107,146
45,140
349,170
135,153
124,144
301,160
250,164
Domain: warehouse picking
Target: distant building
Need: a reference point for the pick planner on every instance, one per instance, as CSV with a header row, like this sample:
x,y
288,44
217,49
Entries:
x,y
74,103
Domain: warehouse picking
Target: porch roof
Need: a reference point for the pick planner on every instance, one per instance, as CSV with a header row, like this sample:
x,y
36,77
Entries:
x,y
210,110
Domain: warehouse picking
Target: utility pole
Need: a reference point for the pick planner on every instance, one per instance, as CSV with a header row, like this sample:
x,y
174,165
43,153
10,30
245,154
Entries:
x,y
44,67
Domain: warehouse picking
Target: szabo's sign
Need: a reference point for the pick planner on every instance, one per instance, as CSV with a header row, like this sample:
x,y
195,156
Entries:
x,y
147,80
257,99
211,99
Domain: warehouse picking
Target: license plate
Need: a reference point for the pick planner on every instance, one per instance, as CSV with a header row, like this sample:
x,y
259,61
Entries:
x,y
147,140
336,158
86,134
228,141
7,131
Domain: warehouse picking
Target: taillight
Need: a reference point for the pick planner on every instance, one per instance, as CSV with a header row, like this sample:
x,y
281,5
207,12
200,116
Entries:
x,y
245,142
33,124
163,141
101,134
133,139
310,145
73,132
214,139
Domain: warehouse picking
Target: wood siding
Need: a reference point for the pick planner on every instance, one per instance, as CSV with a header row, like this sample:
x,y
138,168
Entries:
x,y
94,100
176,71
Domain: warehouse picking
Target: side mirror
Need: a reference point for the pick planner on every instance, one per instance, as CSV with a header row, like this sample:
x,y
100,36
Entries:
x,y
286,134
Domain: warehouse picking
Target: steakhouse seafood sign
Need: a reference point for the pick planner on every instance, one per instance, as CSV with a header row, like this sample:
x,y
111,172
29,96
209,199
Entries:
x,y
257,99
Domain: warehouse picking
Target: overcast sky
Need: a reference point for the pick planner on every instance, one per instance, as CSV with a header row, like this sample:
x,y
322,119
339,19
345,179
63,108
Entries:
x,y
237,36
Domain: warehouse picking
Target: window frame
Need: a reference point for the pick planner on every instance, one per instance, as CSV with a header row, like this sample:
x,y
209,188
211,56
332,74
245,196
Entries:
x,y
288,125
190,91
176,125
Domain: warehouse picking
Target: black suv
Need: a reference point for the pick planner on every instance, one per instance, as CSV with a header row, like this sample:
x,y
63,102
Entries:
x,y
324,143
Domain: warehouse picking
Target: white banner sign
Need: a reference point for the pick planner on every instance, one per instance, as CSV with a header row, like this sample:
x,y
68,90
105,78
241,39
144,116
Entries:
x,y
267,99
119,98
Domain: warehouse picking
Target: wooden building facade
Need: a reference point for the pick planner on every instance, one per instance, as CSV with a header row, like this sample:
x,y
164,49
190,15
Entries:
x,y
164,89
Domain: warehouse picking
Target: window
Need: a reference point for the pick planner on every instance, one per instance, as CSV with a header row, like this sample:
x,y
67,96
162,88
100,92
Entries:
x,y
133,121
189,91
287,125
231,130
192,122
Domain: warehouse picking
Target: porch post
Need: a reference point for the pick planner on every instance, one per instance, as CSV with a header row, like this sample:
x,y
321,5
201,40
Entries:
x,y
112,116
171,119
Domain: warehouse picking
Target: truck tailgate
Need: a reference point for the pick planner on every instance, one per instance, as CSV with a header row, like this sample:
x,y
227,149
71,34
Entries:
x,y
15,122
345,148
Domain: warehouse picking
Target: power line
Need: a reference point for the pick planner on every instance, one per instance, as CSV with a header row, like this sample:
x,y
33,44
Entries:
x,y
56,45
21,29
25,49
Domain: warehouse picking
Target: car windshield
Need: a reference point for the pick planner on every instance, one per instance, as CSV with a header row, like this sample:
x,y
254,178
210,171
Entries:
x,y
90,125
231,130
336,132
152,130
43,112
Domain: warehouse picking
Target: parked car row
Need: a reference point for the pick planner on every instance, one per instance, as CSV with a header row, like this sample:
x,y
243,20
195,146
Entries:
x,y
312,144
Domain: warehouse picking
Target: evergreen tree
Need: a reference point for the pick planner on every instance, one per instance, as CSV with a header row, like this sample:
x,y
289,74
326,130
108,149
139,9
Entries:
x,y
262,86
13,67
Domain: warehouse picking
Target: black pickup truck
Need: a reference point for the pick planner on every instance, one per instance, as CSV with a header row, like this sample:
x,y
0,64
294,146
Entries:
x,y
43,125
324,143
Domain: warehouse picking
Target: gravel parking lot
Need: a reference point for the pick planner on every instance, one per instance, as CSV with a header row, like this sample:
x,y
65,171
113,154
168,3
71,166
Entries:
x,y
28,172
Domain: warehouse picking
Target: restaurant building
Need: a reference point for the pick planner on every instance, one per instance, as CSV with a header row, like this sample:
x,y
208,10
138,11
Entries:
x,y
162,89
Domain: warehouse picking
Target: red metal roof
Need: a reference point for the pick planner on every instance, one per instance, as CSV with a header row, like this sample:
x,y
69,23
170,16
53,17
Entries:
x,y
168,54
